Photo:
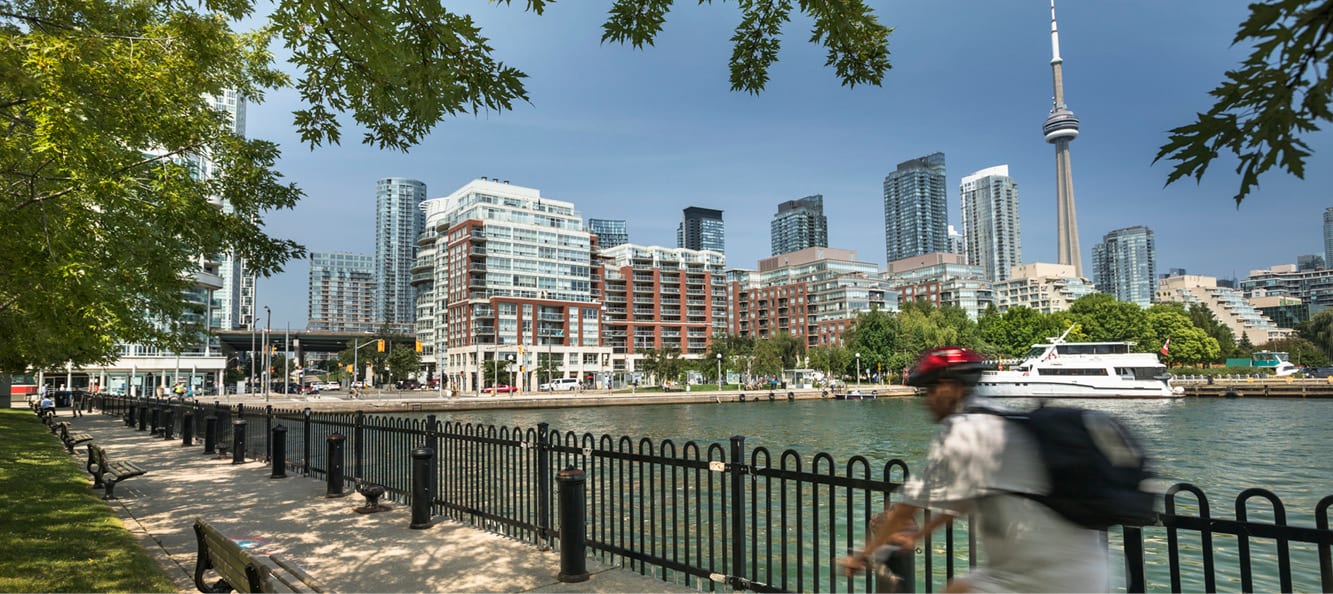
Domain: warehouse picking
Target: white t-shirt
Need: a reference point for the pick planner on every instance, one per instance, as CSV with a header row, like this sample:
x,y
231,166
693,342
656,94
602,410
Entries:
x,y
977,462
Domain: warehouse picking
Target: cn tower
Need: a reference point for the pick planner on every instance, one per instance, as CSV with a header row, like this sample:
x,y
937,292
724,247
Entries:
x,y
1060,128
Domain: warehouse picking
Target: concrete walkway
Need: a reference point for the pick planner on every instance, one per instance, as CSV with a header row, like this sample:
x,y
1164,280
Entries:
x,y
346,551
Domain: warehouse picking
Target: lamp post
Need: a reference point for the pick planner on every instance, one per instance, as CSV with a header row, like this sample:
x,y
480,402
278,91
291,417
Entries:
x,y
250,383
719,372
268,322
858,370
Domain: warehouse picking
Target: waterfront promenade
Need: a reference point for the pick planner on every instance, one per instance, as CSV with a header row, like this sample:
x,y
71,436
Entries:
x,y
346,551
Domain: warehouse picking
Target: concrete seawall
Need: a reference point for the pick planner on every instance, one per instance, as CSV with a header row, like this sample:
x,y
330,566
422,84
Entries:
x,y
433,401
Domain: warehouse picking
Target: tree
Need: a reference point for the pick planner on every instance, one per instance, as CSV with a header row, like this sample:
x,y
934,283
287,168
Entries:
x,y
1319,330
103,210
1299,351
1279,93
1102,318
1203,319
403,362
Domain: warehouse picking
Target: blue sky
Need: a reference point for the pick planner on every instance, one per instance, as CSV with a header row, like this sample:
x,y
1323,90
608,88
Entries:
x,y
640,135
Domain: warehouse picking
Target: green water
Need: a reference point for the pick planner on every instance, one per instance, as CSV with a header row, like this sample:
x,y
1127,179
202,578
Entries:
x,y
1222,446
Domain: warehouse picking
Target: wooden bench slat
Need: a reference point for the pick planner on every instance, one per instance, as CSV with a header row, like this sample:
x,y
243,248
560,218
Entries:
x,y
243,571
107,474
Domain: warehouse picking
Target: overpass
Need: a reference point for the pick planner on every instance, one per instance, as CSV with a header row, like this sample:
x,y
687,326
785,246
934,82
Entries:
x,y
303,341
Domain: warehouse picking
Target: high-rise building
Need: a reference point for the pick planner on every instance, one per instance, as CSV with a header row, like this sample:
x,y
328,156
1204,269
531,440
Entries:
x,y
1124,265
1060,128
513,288
236,299
941,279
814,294
398,222
341,293
610,233
1310,262
990,222
1328,237
701,229
799,224
916,209
957,242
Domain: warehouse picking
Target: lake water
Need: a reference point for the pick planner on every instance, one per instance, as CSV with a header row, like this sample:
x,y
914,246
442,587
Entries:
x,y
1223,446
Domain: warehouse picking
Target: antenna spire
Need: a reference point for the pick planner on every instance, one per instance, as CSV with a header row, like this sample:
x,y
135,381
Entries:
x,y
1055,38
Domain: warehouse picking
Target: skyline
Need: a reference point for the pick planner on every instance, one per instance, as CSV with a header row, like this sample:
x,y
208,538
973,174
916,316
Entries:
x,y
641,135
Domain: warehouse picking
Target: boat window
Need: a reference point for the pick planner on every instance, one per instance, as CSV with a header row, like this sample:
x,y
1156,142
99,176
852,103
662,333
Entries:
x,y
1073,371
1035,352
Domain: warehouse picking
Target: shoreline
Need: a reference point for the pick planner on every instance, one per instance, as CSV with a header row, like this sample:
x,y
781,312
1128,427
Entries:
x,y
396,402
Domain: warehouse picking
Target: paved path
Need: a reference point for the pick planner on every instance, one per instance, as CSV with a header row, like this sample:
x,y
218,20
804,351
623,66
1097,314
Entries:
x,y
346,551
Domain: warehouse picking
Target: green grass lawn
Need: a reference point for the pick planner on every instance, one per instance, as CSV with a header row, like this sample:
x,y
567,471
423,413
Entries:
x,y
56,534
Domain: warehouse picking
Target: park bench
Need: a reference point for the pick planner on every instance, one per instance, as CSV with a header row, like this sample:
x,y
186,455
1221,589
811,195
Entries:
x,y
71,439
107,473
242,571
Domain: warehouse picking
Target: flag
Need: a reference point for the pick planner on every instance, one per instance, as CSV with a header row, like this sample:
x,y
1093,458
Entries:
x,y
1166,346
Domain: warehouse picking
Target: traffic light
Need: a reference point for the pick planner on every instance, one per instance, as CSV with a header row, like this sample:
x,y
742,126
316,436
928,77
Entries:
x,y
418,346
349,369
379,345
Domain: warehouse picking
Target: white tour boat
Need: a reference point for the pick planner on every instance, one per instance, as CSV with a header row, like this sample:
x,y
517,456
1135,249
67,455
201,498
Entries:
x,y
1062,369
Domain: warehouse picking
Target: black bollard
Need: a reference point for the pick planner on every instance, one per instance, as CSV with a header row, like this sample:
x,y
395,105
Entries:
x,y
238,441
167,423
422,487
129,416
143,416
187,428
335,484
573,544
210,434
278,442
155,419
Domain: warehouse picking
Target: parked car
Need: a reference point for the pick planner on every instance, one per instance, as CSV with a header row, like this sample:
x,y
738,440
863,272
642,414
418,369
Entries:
x,y
407,385
500,388
1320,372
561,384
328,386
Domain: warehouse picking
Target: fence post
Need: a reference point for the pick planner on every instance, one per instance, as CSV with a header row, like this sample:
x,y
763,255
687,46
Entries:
x,y
422,493
544,531
573,552
305,442
358,443
210,433
1134,579
143,415
335,476
155,420
129,414
737,469
268,428
187,428
278,451
238,441
433,442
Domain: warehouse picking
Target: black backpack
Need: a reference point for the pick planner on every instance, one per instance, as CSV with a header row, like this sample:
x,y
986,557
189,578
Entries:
x,y
1095,465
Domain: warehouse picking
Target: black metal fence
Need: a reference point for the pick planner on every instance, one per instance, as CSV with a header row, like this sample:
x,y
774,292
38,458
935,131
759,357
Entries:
x,y
716,516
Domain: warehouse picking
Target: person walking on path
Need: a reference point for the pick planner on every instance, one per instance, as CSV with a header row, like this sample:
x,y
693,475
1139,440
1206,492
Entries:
x,y
983,463
76,403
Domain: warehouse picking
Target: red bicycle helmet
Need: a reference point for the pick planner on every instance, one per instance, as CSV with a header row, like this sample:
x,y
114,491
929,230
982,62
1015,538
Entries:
x,y
947,362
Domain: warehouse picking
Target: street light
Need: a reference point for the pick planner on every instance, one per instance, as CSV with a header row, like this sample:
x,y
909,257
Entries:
x,y
858,370
719,372
268,323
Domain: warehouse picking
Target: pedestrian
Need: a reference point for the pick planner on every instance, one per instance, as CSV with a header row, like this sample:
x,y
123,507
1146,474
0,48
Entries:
x,y
981,463
76,403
